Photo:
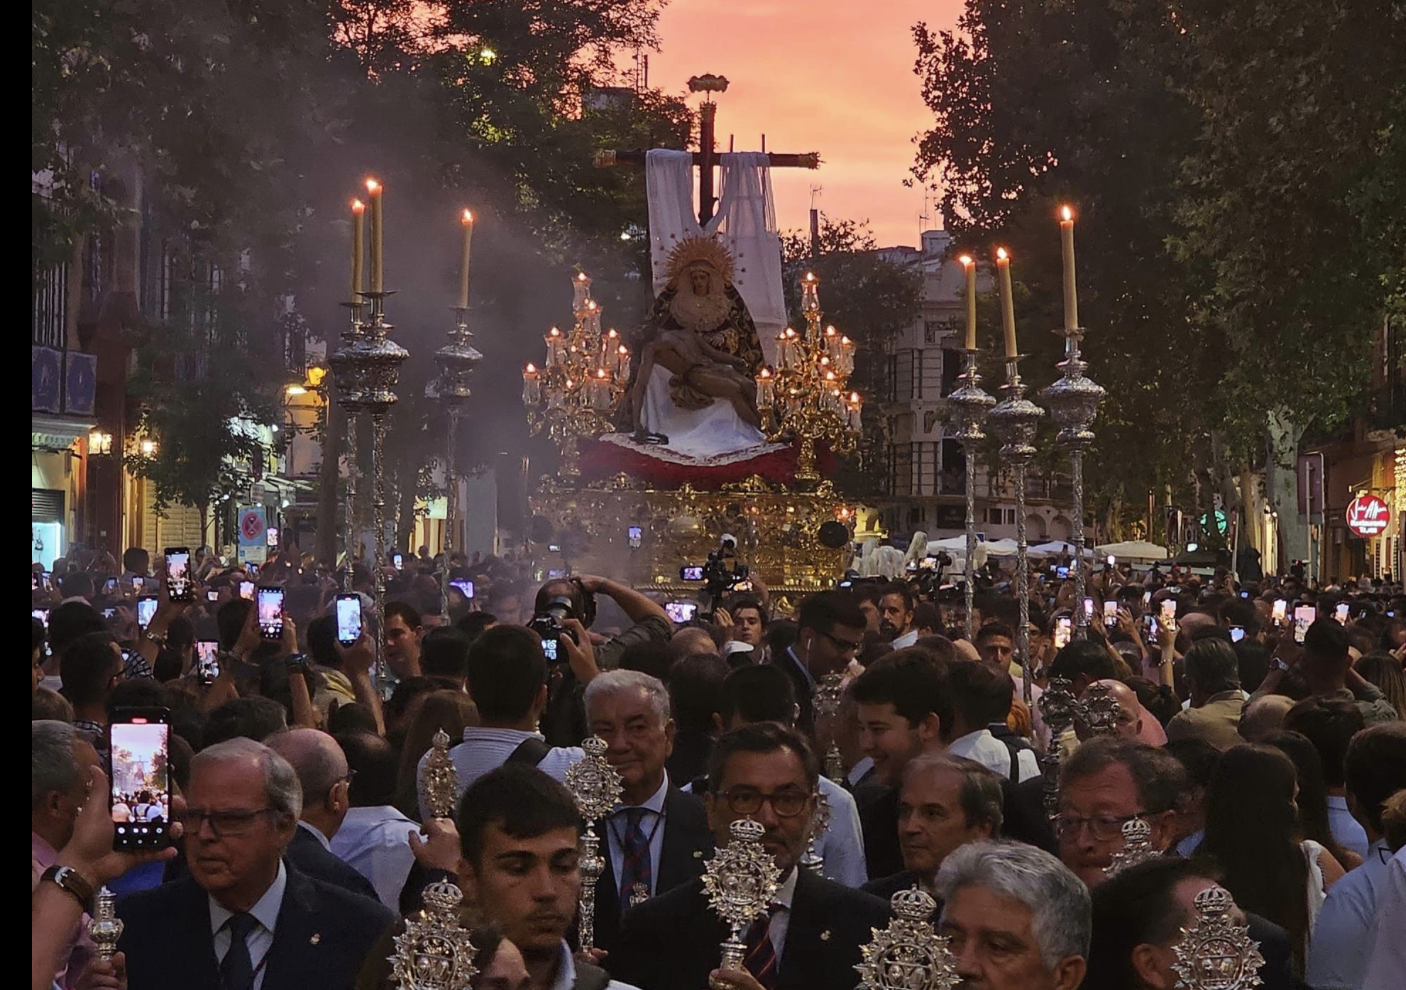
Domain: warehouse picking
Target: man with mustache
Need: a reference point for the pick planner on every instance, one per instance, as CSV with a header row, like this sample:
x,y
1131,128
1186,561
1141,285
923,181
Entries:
x,y
812,933
896,616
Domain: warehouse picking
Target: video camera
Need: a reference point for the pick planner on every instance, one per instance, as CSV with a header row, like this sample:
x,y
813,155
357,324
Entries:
x,y
549,623
927,573
717,576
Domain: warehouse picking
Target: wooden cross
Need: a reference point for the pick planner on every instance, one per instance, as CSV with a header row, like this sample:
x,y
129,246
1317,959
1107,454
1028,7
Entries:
x,y
706,157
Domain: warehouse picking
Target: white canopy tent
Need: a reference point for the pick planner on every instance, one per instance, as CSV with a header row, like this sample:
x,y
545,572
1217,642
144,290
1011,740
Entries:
x,y
1057,548
1133,550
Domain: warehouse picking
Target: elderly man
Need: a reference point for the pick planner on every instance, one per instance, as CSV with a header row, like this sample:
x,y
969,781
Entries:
x,y
1017,918
243,919
1107,782
658,838
945,802
1213,677
324,778
374,837
59,762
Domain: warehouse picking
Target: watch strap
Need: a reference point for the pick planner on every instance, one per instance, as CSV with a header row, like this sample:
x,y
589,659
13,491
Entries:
x,y
72,881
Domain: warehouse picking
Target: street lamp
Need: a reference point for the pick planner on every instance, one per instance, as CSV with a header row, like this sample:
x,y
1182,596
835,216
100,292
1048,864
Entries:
x,y
100,443
148,447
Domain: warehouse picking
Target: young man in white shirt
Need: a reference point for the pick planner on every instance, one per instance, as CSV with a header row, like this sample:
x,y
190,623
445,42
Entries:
x,y
979,699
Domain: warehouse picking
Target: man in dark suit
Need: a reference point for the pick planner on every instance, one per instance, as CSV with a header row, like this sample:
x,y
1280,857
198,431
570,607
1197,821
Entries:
x,y
244,919
324,776
811,937
830,630
659,837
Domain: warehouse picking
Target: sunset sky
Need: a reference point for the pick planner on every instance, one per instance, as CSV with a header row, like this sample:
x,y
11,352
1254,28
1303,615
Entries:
x,y
832,76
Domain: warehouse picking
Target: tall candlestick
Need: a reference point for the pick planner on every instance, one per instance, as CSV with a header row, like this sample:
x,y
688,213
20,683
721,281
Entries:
x,y
358,237
468,221
373,193
1003,272
1071,292
969,266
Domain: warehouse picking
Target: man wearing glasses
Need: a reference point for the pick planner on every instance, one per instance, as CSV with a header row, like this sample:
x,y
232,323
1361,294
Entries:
x,y
814,928
244,919
830,630
1107,782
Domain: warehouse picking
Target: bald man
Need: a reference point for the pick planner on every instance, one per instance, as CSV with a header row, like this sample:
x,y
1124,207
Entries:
x,y
1264,716
322,772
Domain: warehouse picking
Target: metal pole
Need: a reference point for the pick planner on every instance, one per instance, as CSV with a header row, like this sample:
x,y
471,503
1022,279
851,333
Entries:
x,y
970,407
1076,469
450,498
1022,569
378,507
353,538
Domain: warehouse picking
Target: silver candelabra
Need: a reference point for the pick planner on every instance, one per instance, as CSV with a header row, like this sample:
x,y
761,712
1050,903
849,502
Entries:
x,y
1073,400
970,406
457,360
1014,420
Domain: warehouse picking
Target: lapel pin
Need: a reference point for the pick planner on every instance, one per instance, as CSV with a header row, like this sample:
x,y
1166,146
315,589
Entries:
x,y
825,935
698,854
316,938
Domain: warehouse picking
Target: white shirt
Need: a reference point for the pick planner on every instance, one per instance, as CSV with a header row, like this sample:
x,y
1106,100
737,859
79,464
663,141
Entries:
x,y
857,772
910,638
618,824
781,915
375,841
1337,954
488,749
566,974
841,845
1346,829
1386,949
993,754
260,939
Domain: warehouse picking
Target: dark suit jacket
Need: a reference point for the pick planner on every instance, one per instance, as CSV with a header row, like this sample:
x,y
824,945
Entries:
x,y
672,942
805,691
886,887
878,817
688,845
312,858
1278,970
319,941
1023,814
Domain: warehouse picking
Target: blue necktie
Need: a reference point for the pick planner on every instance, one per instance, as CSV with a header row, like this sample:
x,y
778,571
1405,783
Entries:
x,y
236,968
635,867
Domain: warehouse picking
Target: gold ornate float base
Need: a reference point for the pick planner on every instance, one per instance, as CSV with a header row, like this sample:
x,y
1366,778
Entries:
x,y
588,531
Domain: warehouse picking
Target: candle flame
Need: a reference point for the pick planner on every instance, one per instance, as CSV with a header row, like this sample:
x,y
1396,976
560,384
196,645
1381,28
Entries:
x,y
1002,255
967,260
810,276
531,368
611,333
1066,213
854,398
554,332
372,186
468,219
766,373
358,206
602,373
830,331
845,340
622,350
590,304
581,277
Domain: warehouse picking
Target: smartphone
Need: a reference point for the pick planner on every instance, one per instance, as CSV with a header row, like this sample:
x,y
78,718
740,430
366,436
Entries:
x,y
634,536
272,536
1340,613
207,663
681,612
1244,594
1111,560
137,582
146,610
1110,613
110,612
1061,572
270,605
246,589
928,564
178,583
1147,598
466,587
1149,632
555,572
252,568
139,740
110,586
1062,632
689,573
212,595
1169,608
1237,633
1303,618
398,559
1281,609
348,619
42,614
1088,609
747,585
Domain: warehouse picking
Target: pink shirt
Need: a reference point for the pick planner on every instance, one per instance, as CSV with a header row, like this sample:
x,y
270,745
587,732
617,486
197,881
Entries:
x,y
81,948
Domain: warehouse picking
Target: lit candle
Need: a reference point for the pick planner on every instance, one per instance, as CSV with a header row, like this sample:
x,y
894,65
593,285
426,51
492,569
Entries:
x,y
531,385
468,221
1003,273
358,239
969,266
608,342
766,388
600,397
810,293
832,341
1071,293
622,362
855,404
846,355
580,289
373,192
554,342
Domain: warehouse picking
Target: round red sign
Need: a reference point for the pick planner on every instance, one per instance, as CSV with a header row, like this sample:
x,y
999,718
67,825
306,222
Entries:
x,y
1368,516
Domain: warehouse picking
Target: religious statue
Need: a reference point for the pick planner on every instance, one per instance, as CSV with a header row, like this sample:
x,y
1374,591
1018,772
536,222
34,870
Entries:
x,y
702,335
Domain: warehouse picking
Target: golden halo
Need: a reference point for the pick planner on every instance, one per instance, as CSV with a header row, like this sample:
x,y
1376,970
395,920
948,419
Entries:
x,y
697,250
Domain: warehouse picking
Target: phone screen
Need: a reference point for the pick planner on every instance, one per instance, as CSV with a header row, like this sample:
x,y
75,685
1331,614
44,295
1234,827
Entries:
x,y
212,595
634,535
690,573
1088,608
178,573
110,586
549,649
398,560
140,798
1341,612
1062,632
1303,618
146,610
1169,608
466,587
1061,572
207,664
270,605
109,613
348,619
272,536
42,614
681,612
246,589
1281,609
1110,613
137,583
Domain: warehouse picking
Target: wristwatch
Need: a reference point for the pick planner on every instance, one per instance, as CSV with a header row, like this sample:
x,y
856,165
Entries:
x,y
72,881
295,660
157,638
1278,664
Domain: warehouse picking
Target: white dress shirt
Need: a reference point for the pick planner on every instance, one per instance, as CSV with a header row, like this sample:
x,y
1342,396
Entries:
x,y
1346,829
488,749
375,841
1386,949
781,914
260,939
566,974
841,845
1337,953
857,772
993,754
652,825
910,638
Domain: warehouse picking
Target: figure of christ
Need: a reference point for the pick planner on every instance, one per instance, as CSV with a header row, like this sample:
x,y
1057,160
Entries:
x,y
695,363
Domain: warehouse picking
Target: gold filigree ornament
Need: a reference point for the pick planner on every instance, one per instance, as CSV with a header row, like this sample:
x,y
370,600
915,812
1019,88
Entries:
x,y
1137,847
740,880
441,780
700,251
1216,953
434,952
908,954
597,787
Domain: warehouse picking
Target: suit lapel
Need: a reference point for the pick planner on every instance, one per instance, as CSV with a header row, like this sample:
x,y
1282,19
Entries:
x,y
804,957
686,841
191,927
293,959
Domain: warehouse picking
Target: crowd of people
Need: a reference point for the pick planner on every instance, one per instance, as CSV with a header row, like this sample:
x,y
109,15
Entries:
x,y
1266,757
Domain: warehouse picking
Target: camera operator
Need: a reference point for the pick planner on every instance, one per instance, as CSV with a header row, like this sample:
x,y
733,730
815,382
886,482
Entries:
x,y
564,721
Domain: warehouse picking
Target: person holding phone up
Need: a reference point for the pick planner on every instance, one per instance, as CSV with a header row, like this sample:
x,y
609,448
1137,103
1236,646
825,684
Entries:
x,y
1326,665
